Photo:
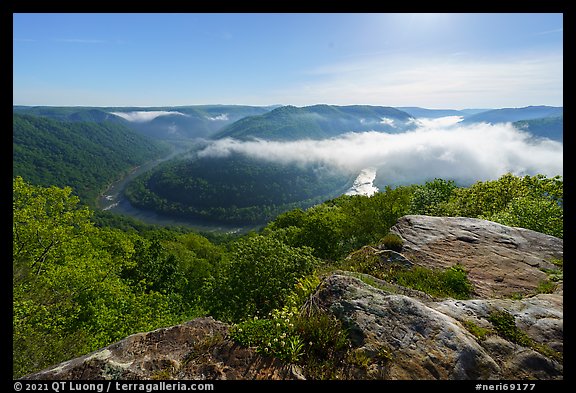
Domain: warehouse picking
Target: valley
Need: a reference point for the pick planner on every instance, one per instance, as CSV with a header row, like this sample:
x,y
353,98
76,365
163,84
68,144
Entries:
x,y
155,228
235,181
113,200
206,196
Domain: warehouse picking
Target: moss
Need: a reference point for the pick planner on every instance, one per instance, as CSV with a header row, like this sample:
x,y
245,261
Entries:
x,y
479,332
505,326
546,286
358,357
161,375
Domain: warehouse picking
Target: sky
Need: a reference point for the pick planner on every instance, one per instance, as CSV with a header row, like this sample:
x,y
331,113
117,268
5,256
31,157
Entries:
x,y
436,61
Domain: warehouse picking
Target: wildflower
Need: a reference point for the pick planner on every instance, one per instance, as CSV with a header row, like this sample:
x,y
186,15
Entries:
x,y
239,330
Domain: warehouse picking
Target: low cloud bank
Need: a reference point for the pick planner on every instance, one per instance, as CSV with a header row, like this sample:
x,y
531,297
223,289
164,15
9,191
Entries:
x,y
144,116
221,117
441,149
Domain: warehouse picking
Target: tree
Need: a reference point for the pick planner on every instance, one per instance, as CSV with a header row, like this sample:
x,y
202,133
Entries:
x,y
69,296
260,272
430,198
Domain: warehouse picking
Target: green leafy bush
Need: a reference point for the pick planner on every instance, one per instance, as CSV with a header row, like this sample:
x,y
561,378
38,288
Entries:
x,y
505,325
294,333
257,277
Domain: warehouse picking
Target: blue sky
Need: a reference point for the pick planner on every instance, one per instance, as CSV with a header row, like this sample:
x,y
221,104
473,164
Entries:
x,y
428,60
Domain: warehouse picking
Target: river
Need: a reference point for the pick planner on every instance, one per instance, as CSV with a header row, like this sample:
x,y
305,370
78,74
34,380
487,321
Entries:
x,y
113,200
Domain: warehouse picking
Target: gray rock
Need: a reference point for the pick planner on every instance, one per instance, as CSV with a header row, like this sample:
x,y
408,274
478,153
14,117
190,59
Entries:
x,y
425,343
197,350
429,340
501,261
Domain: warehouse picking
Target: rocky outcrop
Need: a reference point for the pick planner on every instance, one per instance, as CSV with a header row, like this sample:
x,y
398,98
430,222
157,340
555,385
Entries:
x,y
198,349
405,333
432,340
501,261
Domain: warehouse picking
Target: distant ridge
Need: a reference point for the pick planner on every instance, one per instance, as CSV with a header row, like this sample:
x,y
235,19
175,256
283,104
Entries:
x,y
419,112
515,114
318,122
175,122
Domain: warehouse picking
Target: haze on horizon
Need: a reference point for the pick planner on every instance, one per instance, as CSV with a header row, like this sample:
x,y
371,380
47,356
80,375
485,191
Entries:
x,y
437,61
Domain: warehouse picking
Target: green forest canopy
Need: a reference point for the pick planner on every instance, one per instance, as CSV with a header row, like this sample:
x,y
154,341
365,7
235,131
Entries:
x,y
78,287
84,155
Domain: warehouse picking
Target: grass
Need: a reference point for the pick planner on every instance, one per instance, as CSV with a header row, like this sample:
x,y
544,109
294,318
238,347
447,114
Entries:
x,y
451,282
392,242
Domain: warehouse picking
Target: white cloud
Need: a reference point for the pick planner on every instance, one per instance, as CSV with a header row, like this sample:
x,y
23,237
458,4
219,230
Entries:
x,y
387,121
144,116
458,81
442,122
221,117
463,153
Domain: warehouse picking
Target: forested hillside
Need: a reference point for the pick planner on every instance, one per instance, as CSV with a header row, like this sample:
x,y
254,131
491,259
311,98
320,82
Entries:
x,y
235,189
157,122
317,122
547,127
503,115
84,155
78,287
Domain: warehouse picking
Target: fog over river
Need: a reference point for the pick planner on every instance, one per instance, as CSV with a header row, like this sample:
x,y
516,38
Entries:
x,y
364,183
437,148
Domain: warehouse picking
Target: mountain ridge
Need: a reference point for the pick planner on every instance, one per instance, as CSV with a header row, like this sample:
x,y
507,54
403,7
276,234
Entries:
x,y
317,122
515,114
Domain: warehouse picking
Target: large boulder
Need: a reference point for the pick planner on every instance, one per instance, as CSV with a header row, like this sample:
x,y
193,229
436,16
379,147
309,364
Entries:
x,y
432,340
195,350
501,261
